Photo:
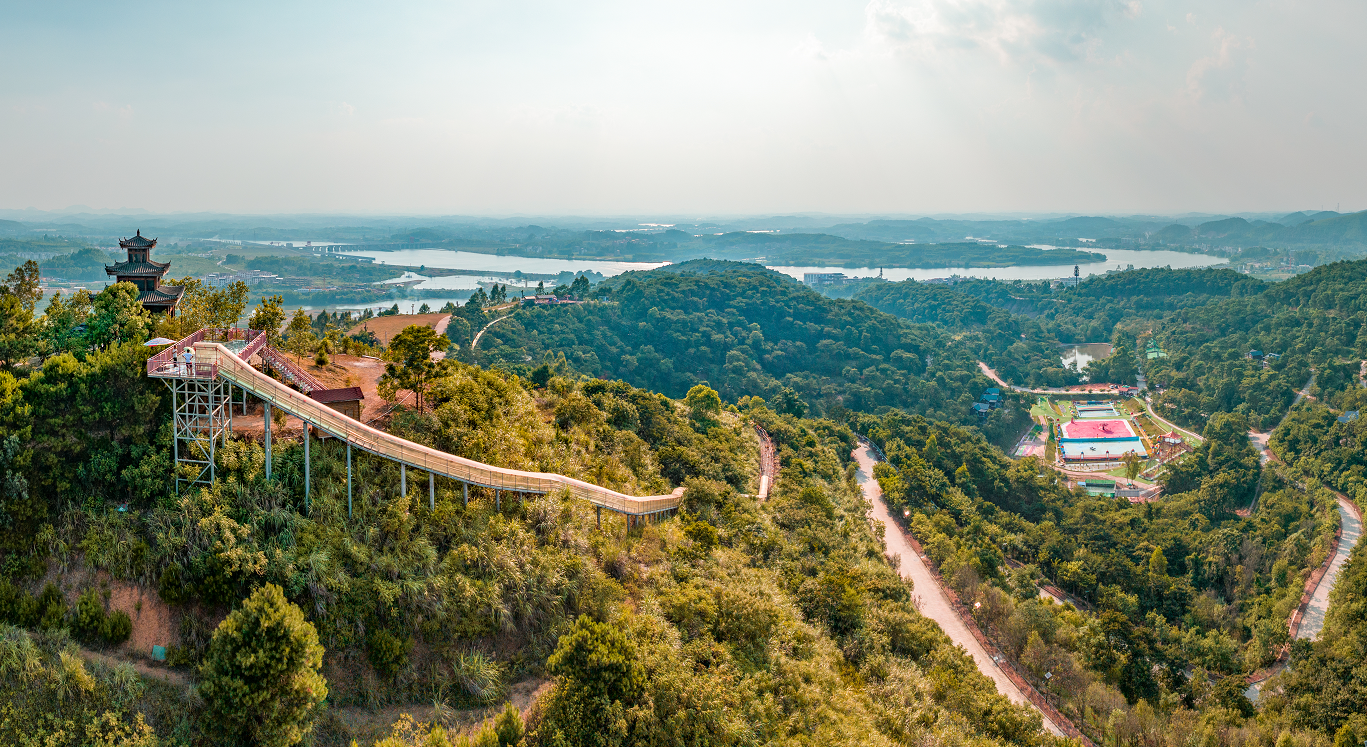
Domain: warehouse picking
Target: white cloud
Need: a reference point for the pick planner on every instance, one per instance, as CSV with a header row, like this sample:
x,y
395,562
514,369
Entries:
x,y
1019,31
1220,75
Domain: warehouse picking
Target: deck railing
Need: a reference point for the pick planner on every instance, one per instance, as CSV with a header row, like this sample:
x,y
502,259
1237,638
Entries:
x,y
171,362
386,445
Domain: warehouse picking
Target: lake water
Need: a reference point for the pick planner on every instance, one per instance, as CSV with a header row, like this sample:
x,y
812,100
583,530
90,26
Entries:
x,y
451,260
492,263
1116,259
1081,355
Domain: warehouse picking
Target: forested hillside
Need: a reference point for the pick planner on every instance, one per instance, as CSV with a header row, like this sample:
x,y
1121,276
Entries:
x,y
734,623
1315,321
1173,603
745,331
737,621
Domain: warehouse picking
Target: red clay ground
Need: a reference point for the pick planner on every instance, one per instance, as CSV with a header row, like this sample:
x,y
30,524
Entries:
x,y
1098,429
385,327
344,371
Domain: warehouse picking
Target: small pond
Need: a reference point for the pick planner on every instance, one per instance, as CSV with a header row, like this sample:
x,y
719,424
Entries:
x,y
1081,355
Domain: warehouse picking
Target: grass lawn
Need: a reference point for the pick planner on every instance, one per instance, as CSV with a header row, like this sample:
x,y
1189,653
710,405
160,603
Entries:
x,y
1043,409
1119,473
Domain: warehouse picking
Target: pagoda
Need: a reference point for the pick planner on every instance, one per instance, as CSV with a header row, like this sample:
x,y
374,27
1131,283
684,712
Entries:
x,y
141,271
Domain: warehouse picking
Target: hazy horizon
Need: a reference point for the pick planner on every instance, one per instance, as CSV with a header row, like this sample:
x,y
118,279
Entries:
x,y
881,107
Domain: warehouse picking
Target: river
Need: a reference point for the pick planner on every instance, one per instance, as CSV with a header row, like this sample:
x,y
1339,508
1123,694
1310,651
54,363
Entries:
x,y
1116,259
493,263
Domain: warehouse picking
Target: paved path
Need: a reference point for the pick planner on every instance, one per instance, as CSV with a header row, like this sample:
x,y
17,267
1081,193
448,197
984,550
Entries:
x,y
440,328
933,602
1148,407
1080,388
1313,620
475,343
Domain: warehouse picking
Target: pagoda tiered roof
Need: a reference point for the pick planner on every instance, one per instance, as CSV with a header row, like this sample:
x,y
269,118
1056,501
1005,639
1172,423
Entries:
x,y
162,295
138,269
137,242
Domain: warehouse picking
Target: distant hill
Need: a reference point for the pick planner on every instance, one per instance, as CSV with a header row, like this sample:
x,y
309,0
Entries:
x,y
1334,228
1174,233
1088,226
1226,227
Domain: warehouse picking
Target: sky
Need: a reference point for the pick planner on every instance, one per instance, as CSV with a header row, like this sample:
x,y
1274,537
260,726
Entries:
x,y
591,108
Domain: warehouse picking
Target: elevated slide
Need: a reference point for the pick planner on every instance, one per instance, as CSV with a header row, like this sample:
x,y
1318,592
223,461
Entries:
x,y
216,359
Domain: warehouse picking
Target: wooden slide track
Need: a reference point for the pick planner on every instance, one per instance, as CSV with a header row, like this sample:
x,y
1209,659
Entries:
x,y
225,352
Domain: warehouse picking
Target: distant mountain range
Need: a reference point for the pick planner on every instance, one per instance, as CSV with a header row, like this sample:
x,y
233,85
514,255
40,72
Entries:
x,y
1346,232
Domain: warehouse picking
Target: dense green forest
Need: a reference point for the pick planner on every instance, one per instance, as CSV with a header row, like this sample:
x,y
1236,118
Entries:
x,y
745,331
1312,323
320,619
764,623
1173,603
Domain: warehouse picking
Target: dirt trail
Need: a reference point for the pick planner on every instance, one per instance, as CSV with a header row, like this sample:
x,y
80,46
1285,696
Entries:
x,y
934,603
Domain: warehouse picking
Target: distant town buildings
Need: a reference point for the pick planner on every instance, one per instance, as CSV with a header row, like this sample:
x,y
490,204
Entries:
x,y
546,300
824,279
250,277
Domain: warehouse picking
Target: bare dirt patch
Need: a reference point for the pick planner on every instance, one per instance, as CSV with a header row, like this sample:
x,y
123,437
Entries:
x,y
385,327
155,623
343,371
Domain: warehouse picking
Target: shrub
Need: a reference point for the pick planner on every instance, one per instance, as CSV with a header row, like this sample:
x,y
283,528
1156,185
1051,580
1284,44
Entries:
x,y
17,607
88,619
260,680
508,726
118,626
51,609
388,653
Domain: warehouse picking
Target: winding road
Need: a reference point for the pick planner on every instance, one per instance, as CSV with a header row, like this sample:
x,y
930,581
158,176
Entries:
x,y
475,343
1312,622
934,604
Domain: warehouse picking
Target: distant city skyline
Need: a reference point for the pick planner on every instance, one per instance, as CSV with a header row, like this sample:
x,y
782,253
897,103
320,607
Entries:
x,y
896,107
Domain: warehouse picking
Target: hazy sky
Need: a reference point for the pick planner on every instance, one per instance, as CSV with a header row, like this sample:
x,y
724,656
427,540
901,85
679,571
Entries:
x,y
896,106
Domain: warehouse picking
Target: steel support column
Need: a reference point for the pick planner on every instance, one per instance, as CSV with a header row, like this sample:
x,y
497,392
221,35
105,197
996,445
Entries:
x,y
306,467
348,479
403,479
431,491
465,493
268,441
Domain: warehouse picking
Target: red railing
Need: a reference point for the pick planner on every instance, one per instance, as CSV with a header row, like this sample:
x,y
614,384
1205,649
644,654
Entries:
x,y
286,368
171,362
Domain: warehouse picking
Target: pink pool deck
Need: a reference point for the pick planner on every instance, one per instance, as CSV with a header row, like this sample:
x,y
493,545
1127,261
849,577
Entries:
x,y
1097,429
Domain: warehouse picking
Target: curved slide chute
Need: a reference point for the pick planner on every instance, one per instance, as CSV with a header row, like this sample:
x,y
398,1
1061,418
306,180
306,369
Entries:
x,y
213,359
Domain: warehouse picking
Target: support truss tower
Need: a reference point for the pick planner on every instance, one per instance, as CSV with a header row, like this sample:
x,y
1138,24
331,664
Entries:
x,y
203,420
